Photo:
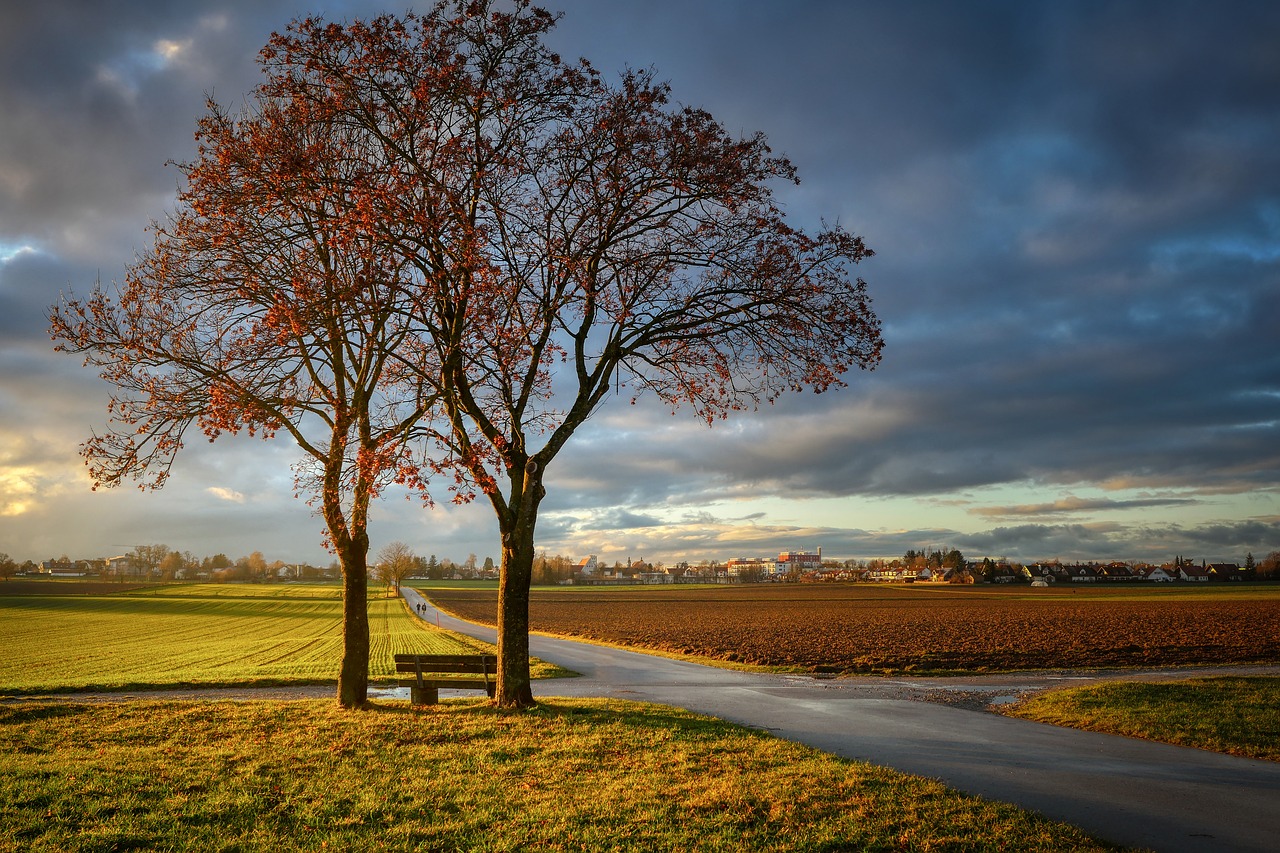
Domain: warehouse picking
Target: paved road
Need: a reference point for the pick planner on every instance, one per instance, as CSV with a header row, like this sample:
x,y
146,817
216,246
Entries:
x,y
1131,792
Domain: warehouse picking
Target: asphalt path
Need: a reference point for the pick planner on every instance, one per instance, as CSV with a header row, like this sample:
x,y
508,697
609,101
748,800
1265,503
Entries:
x,y
1130,792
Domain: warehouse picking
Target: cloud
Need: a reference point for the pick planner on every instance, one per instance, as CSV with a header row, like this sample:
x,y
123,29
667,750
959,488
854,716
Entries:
x,y
616,519
19,488
226,494
722,539
1069,505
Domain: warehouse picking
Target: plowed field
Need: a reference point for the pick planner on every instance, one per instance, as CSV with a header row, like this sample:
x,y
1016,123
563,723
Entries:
x,y
867,628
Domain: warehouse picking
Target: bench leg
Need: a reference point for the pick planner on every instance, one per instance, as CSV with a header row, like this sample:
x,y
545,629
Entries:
x,y
424,695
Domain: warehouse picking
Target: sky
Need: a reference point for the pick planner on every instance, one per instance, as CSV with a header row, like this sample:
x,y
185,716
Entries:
x,y
1075,209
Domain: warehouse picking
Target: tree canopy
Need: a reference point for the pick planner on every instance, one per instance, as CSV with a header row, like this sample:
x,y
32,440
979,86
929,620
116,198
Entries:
x,y
449,246
266,304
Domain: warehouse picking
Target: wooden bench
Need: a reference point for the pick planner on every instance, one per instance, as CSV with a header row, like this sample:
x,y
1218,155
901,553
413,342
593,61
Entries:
x,y
432,672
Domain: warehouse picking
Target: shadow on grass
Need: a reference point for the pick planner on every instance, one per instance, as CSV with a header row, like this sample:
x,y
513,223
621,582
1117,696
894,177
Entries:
x,y
190,690
31,712
591,712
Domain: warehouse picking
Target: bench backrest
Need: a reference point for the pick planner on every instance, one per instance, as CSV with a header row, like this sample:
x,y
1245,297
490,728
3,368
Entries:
x,y
479,664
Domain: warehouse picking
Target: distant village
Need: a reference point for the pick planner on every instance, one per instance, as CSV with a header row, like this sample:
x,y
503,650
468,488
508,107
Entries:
x,y
925,566
921,567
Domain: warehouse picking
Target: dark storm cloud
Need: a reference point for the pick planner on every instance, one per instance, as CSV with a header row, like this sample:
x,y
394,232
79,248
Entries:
x,y
1075,209
1229,537
1227,541
25,293
1068,506
92,112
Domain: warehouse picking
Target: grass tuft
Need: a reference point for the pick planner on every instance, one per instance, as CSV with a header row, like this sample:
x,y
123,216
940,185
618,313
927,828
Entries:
x,y
1232,714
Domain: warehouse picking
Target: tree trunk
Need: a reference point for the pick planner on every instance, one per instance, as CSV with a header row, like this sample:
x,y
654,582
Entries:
x,y
353,677
514,690
515,576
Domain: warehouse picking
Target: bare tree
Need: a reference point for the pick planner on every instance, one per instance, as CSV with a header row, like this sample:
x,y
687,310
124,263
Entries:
x,y
571,238
632,245
256,564
395,563
265,305
172,565
1269,567
146,559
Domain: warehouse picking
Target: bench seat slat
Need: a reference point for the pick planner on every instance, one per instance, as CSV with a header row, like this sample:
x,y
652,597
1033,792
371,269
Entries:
x,y
477,683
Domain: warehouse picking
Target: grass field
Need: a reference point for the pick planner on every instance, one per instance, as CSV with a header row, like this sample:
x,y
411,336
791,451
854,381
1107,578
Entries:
x,y
207,634
570,775
1237,715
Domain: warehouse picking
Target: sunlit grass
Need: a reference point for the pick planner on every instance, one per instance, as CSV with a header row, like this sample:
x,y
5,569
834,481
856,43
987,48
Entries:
x,y
1238,715
570,775
208,634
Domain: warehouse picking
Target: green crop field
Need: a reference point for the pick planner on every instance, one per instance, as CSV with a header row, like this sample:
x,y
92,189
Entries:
x,y
207,634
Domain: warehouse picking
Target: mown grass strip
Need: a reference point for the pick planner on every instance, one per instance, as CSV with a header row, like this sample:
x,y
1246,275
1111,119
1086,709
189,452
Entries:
x,y
198,635
594,775
1237,715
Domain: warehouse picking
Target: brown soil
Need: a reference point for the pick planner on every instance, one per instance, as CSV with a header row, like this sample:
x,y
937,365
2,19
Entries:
x,y
860,628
